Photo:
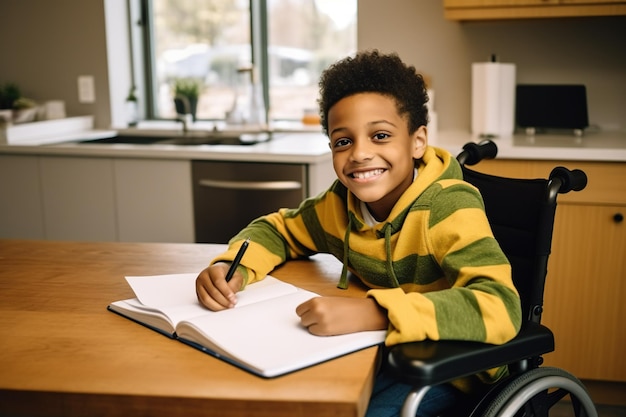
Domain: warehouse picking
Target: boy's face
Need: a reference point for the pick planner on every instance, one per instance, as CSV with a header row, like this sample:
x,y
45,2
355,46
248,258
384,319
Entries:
x,y
373,152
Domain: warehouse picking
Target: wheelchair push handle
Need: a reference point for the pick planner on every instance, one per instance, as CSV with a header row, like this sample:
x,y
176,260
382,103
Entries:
x,y
571,180
473,153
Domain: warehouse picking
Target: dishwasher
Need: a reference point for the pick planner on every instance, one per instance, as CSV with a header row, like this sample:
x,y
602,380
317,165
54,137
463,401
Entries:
x,y
229,195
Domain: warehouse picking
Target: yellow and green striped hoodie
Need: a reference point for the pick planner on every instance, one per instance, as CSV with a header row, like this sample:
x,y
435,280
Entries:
x,y
433,264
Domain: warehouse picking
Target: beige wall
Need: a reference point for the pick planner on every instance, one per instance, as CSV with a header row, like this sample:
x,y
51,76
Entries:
x,y
46,44
586,51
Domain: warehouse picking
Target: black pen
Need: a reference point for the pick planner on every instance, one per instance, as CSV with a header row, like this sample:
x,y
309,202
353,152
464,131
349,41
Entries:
x,y
235,264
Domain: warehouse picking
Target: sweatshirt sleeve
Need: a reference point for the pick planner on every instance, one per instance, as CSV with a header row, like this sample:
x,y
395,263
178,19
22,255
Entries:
x,y
278,237
478,301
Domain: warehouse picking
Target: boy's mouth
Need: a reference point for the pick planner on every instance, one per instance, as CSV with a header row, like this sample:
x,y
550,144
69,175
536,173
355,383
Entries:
x,y
363,175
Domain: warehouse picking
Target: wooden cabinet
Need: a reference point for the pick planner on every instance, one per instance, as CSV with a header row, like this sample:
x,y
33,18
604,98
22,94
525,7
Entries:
x,y
520,9
585,292
584,301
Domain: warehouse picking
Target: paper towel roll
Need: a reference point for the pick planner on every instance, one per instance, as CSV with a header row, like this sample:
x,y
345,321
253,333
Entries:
x,y
493,99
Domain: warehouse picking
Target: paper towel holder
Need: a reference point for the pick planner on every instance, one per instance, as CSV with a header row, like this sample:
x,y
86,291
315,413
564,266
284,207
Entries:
x,y
539,107
493,99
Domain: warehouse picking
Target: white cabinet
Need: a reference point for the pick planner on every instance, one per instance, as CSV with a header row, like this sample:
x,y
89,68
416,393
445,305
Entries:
x,y
154,200
21,211
95,199
78,198
110,198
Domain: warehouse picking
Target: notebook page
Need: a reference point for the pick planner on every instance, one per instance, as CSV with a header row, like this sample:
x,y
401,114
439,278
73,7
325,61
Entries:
x,y
175,295
268,338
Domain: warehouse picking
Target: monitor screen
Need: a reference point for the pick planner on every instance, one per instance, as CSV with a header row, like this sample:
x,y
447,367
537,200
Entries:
x,y
551,106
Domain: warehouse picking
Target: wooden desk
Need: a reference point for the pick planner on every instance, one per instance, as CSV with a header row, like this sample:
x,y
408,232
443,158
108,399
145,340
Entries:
x,y
63,354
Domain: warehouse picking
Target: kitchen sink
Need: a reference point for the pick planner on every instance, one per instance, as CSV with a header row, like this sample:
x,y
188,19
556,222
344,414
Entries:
x,y
214,138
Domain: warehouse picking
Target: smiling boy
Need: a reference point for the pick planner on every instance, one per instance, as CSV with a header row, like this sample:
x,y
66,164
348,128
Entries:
x,y
399,217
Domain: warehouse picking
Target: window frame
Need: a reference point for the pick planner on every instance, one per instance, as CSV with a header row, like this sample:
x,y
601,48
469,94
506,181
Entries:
x,y
144,70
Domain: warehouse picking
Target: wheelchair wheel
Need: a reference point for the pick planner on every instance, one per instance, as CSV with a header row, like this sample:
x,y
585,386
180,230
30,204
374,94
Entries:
x,y
536,392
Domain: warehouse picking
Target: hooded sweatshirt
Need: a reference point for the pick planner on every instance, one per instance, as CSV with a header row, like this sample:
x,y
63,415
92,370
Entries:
x,y
433,264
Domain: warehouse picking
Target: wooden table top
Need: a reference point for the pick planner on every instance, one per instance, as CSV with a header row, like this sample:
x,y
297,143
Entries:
x,y
64,354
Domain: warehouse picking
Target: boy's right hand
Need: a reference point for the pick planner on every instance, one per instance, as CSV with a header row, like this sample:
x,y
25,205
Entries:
x,y
212,289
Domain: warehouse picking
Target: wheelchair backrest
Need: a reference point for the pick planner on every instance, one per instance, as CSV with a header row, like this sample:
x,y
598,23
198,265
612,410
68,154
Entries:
x,y
521,214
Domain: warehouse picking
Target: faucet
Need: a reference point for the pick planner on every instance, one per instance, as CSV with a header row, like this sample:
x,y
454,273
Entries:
x,y
187,118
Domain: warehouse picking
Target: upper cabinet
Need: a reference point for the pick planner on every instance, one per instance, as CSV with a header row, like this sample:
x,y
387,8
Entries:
x,y
525,9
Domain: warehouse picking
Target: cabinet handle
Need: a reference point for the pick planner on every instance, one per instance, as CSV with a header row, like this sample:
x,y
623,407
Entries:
x,y
618,217
251,185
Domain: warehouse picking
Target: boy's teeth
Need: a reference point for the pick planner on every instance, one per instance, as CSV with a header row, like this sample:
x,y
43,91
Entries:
x,y
367,174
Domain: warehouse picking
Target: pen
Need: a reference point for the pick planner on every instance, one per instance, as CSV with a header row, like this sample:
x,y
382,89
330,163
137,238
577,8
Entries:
x,y
235,264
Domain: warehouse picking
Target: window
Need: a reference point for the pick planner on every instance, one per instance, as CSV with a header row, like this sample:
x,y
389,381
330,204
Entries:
x,y
287,42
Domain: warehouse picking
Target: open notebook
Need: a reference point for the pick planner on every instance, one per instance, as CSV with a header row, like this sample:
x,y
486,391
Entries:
x,y
262,334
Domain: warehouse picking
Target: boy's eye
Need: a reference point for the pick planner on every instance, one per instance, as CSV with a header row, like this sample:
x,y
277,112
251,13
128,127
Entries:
x,y
381,136
341,142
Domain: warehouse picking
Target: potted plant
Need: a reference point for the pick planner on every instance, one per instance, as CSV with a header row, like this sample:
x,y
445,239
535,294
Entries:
x,y
186,94
24,110
14,107
132,107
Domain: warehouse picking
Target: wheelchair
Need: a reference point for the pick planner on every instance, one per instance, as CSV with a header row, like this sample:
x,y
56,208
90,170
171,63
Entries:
x,y
521,214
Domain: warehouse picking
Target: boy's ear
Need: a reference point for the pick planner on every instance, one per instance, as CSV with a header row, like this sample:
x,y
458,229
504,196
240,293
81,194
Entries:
x,y
420,141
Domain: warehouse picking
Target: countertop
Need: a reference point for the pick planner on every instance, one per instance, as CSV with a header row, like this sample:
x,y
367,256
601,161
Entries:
x,y
283,147
312,147
608,146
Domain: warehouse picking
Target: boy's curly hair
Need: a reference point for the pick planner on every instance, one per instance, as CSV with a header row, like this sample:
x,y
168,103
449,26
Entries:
x,y
371,71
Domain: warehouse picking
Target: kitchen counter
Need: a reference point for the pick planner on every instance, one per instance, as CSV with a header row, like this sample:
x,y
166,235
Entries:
x,y
311,146
153,192
283,147
57,188
289,144
593,146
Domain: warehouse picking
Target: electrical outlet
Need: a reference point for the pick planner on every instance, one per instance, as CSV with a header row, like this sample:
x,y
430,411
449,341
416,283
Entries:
x,y
86,89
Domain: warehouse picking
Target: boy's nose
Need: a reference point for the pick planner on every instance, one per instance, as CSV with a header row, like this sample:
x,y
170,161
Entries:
x,y
361,150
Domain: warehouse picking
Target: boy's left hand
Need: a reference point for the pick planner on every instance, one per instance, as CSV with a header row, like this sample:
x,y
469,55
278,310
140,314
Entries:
x,y
329,316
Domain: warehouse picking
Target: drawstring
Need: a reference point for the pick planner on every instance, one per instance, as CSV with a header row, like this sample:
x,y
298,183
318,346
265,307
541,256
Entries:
x,y
388,264
343,281
387,229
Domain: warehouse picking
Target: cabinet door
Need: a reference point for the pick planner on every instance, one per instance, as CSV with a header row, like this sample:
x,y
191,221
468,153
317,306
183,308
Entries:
x,y
521,9
78,198
585,286
585,289
497,3
21,214
154,200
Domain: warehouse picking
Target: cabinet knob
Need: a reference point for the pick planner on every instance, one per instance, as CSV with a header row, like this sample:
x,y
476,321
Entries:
x,y
618,217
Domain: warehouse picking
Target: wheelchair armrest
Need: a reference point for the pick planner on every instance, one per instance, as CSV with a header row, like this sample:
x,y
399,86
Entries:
x,y
435,362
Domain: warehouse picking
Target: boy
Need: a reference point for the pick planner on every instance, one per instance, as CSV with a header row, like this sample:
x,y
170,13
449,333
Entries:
x,y
399,217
